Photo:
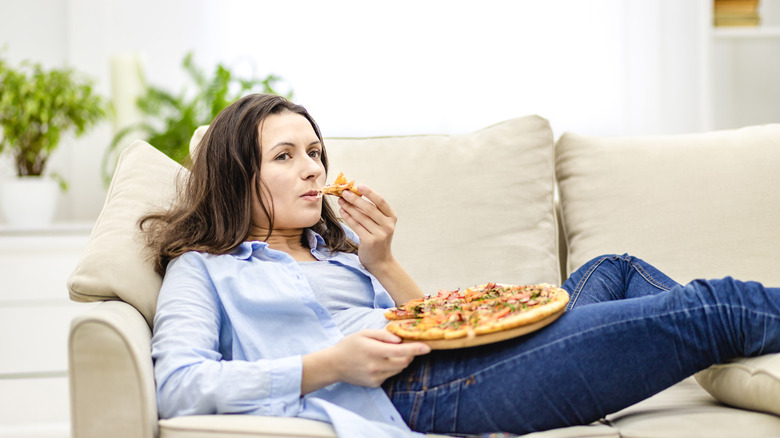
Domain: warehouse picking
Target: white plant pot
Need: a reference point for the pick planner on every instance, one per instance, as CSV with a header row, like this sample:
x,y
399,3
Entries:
x,y
29,202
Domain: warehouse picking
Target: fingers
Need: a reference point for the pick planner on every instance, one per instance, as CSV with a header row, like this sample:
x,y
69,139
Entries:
x,y
371,211
382,335
375,355
418,348
406,350
398,349
357,220
376,199
396,357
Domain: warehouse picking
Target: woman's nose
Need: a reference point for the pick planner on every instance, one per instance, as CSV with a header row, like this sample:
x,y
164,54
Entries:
x,y
313,169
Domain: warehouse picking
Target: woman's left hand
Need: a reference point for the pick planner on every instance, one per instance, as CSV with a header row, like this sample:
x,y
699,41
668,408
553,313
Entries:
x,y
371,217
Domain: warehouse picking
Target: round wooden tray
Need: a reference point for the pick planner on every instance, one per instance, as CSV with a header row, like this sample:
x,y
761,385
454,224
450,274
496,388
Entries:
x,y
464,342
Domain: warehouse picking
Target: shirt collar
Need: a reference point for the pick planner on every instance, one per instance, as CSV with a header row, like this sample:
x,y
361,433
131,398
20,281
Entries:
x,y
245,250
315,240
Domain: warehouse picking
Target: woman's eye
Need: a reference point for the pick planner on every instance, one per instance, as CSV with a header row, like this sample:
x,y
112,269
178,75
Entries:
x,y
282,157
315,153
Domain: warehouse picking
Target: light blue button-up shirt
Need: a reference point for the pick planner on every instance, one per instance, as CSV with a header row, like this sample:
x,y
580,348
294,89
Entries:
x,y
230,332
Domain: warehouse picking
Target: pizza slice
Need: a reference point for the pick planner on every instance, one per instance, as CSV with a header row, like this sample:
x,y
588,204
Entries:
x,y
443,302
339,185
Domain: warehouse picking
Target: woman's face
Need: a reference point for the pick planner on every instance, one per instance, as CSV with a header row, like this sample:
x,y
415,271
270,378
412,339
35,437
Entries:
x,y
292,172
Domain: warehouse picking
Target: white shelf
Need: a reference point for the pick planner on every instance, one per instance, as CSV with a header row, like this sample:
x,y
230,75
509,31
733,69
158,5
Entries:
x,y
746,32
55,229
739,69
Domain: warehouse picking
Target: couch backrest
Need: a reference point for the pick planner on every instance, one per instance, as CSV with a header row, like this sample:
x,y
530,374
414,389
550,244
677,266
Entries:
x,y
472,208
695,205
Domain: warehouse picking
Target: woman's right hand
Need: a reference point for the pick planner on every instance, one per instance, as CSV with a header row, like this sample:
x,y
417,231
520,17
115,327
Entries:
x,y
365,358
369,357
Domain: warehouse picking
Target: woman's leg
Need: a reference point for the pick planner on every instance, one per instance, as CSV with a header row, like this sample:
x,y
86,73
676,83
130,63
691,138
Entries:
x,y
614,277
594,360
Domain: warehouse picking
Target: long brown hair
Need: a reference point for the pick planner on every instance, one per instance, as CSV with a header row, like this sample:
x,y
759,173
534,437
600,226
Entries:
x,y
213,209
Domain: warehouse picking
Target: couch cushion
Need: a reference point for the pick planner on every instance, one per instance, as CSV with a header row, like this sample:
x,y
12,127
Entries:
x,y
750,383
256,426
115,264
471,208
694,205
687,411
249,426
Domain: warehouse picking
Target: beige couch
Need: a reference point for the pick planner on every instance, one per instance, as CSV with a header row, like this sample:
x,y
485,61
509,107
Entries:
x,y
505,203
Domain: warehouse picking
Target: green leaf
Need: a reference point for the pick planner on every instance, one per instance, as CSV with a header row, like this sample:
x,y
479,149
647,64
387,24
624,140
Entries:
x,y
172,118
37,106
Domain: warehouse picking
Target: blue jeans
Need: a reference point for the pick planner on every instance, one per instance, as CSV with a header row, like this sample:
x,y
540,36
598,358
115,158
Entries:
x,y
629,332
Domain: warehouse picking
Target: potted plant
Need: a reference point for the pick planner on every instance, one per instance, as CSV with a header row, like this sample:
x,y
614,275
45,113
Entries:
x,y
169,119
37,106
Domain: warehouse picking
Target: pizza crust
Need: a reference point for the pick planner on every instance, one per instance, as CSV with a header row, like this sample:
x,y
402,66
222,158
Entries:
x,y
489,338
558,303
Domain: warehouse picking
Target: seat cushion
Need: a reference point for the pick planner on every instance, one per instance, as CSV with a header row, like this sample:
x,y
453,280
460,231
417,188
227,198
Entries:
x,y
255,426
687,411
694,205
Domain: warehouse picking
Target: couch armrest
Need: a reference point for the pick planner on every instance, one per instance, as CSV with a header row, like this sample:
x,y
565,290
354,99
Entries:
x,y
112,390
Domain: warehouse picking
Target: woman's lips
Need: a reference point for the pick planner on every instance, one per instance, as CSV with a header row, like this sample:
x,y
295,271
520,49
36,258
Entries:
x,y
312,194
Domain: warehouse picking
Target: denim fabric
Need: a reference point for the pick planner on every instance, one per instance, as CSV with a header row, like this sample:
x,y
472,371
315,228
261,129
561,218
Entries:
x,y
629,332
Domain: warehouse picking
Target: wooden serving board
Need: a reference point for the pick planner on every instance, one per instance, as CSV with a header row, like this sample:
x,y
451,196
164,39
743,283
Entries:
x,y
489,338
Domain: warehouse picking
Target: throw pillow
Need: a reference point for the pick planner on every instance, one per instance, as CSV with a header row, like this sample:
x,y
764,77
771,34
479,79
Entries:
x,y
115,264
472,208
694,205
749,383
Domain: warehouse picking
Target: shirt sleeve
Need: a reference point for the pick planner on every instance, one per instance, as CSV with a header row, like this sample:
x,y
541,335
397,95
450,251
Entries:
x,y
191,374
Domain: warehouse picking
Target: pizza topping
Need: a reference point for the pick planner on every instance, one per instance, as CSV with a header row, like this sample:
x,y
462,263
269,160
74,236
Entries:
x,y
501,313
477,310
339,186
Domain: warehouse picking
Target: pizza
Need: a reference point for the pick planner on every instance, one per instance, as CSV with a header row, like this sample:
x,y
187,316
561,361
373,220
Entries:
x,y
476,311
339,185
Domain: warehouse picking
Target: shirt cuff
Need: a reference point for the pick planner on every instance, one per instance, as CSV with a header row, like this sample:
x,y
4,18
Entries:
x,y
285,375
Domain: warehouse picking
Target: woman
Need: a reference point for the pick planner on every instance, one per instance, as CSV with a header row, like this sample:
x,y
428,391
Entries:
x,y
271,306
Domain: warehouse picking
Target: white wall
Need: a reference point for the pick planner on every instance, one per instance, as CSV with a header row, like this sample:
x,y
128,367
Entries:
x,y
380,68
